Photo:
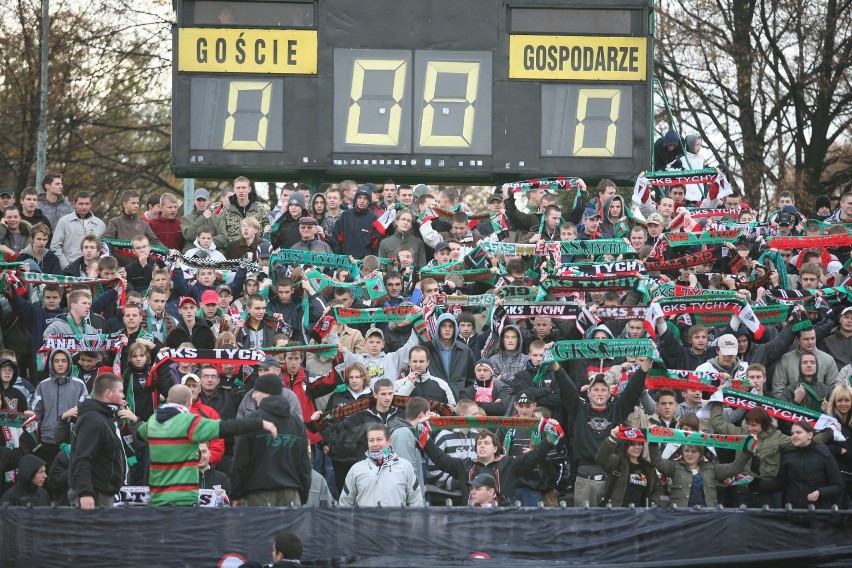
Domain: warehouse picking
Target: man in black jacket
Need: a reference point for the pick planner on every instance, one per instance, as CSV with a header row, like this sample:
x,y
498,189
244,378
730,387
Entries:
x,y
272,472
98,458
354,233
191,328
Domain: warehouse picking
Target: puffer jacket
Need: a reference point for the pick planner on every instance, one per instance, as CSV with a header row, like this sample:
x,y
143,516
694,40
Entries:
x,y
391,484
803,471
681,476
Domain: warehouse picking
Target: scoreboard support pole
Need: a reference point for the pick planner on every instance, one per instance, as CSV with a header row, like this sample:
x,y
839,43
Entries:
x,y
188,195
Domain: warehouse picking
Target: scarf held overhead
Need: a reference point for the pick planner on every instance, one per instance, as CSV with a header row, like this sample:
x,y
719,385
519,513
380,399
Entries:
x,y
661,435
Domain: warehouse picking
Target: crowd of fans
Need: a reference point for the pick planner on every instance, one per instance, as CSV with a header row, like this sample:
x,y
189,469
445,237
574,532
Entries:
x,y
100,425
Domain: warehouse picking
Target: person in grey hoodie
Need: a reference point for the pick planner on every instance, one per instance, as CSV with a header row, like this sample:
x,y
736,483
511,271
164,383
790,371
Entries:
x,y
508,355
449,358
55,404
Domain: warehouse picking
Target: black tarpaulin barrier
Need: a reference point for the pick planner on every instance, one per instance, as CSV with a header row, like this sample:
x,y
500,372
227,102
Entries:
x,y
432,536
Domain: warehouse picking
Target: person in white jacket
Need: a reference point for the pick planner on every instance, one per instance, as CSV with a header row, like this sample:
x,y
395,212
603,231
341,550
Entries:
x,y
383,478
380,365
418,382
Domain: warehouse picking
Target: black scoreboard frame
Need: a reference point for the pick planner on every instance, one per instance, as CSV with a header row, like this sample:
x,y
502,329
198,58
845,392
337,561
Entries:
x,y
308,148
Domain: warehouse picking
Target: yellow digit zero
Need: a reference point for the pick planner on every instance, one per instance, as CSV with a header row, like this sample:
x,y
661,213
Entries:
x,y
359,69
237,87
433,69
608,149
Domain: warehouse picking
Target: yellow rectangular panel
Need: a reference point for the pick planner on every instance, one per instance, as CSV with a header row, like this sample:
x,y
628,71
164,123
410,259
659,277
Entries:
x,y
276,52
581,58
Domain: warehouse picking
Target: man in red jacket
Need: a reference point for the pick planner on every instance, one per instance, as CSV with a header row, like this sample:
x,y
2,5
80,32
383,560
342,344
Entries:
x,y
217,446
166,225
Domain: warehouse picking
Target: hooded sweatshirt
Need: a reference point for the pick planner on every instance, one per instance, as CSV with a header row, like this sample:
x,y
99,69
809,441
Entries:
x,y
509,362
24,493
690,160
456,364
53,397
610,230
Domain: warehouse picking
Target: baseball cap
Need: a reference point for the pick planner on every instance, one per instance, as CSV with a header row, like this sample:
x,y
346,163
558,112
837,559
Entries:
x,y
834,266
654,219
269,362
525,398
591,213
484,480
374,331
209,297
7,191
253,276
785,219
202,194
187,300
190,377
598,378
223,288
727,344
264,249
846,310
308,220
441,246
420,190
496,197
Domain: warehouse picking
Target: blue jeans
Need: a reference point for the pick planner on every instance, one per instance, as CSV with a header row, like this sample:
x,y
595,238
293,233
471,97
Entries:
x,y
527,497
322,465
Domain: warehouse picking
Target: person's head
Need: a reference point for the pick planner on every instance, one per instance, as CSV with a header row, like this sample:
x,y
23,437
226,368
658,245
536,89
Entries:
x,y
108,388
635,329
756,376
284,289
677,193
357,377
447,198
206,276
203,455
8,371
188,308
616,208
130,202
757,420
418,359
406,195
383,391
82,203
209,377
467,324
692,396
606,189
846,205
52,184
510,340
393,284
459,227
12,218
138,355
484,370
416,408
801,434
536,353
157,299
483,489
429,286
88,360
727,348
525,405
786,199
666,404
599,391
405,257
79,304
293,362
692,455
542,326
374,341
447,328
348,187
688,422
807,339
810,275
363,198
193,383
488,446
733,201
591,221
29,200
389,191
698,338
745,216
567,231
442,253
249,228
840,403
378,437
107,266
638,237
168,206
333,198
287,546
808,365
60,363
242,188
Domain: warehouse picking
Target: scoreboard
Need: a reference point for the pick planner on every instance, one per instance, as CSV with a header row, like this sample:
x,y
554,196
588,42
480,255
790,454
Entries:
x,y
418,90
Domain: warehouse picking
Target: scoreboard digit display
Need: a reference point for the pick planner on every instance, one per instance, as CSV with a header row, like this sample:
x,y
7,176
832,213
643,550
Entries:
x,y
440,90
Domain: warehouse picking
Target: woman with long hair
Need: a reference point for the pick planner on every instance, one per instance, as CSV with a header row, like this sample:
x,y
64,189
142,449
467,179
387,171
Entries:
x,y
631,479
840,407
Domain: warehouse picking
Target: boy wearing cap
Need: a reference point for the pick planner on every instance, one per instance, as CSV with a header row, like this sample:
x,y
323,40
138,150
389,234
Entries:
x,y
201,217
726,360
193,383
483,491
309,241
272,472
590,227
216,318
190,328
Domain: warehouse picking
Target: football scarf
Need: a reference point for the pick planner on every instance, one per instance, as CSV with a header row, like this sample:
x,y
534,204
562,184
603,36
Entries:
x,y
554,310
538,426
599,349
668,307
305,258
699,239
413,314
677,379
817,241
661,435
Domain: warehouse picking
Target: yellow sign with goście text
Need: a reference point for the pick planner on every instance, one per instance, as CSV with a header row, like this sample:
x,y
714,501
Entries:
x,y
274,52
581,58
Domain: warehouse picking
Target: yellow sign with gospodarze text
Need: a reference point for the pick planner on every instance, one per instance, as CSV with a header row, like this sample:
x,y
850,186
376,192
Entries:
x,y
582,58
274,52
